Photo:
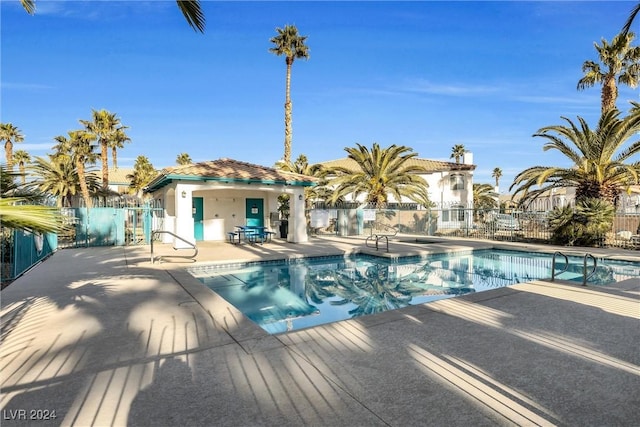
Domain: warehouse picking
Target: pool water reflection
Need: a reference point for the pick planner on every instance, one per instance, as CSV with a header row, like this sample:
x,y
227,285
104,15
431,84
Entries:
x,y
295,294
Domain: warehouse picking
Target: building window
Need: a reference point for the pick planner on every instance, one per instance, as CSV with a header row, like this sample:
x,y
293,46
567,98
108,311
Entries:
x,y
457,213
457,182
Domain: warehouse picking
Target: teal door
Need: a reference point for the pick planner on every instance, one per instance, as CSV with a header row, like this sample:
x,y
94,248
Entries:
x,y
255,212
197,209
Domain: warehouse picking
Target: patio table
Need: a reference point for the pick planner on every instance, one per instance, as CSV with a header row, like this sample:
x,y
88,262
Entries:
x,y
251,234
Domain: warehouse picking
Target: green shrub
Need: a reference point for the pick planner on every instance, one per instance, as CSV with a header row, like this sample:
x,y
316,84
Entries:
x,y
584,225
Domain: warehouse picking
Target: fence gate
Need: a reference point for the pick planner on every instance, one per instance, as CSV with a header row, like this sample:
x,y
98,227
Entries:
x,y
108,226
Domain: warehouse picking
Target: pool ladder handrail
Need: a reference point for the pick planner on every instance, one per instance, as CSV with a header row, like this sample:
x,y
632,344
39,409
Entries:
x,y
377,238
585,276
193,245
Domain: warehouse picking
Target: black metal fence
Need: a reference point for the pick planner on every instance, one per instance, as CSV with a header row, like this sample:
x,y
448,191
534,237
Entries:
x,y
456,221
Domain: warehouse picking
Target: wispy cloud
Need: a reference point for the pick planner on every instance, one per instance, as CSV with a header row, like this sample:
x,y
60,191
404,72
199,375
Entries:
x,y
92,9
447,89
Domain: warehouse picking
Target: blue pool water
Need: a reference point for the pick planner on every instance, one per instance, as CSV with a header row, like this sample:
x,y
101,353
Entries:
x,y
289,295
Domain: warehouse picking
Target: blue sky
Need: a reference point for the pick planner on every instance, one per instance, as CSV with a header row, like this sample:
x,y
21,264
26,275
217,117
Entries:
x,y
425,74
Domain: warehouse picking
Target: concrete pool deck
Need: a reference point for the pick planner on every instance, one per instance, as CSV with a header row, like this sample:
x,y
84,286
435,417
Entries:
x,y
103,337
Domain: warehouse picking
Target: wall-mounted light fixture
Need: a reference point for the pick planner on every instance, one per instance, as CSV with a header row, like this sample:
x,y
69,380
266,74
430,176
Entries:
x,y
300,197
184,194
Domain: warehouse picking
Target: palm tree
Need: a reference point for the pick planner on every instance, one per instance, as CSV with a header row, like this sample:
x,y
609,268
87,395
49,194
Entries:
x,y
601,165
10,135
290,44
116,142
484,196
620,64
143,174
183,159
21,157
81,148
58,177
497,174
379,173
632,16
191,10
103,125
457,151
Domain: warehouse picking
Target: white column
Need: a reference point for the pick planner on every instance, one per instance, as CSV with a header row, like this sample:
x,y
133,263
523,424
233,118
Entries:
x,y
184,217
297,220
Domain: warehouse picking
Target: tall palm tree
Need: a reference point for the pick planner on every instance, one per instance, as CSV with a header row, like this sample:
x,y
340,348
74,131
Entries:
x,y
183,159
457,151
116,142
379,173
103,125
619,64
497,174
80,144
143,174
632,17
191,10
290,44
602,166
10,135
21,157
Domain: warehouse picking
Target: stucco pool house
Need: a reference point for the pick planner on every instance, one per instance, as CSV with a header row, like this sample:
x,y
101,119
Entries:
x,y
206,200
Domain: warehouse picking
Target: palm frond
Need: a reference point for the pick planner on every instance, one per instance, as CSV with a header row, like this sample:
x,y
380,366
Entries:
x,y
192,11
14,213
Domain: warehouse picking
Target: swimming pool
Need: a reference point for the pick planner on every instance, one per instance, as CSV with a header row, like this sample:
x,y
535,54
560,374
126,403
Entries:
x,y
288,295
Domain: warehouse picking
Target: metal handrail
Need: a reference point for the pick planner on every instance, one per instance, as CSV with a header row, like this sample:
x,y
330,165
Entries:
x,y
553,265
377,238
584,268
156,232
585,276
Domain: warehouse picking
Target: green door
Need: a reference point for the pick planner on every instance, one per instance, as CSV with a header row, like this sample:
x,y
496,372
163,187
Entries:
x,y
255,212
197,209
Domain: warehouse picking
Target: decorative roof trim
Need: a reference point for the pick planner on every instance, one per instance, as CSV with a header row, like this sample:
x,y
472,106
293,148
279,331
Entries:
x,y
206,172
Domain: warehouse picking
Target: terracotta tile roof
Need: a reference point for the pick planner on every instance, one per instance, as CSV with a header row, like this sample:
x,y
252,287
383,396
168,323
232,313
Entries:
x,y
234,170
119,176
428,165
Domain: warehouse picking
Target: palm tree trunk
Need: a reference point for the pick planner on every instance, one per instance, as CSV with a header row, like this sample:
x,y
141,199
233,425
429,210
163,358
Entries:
x,y
22,174
105,163
609,93
288,133
8,150
83,184
114,157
